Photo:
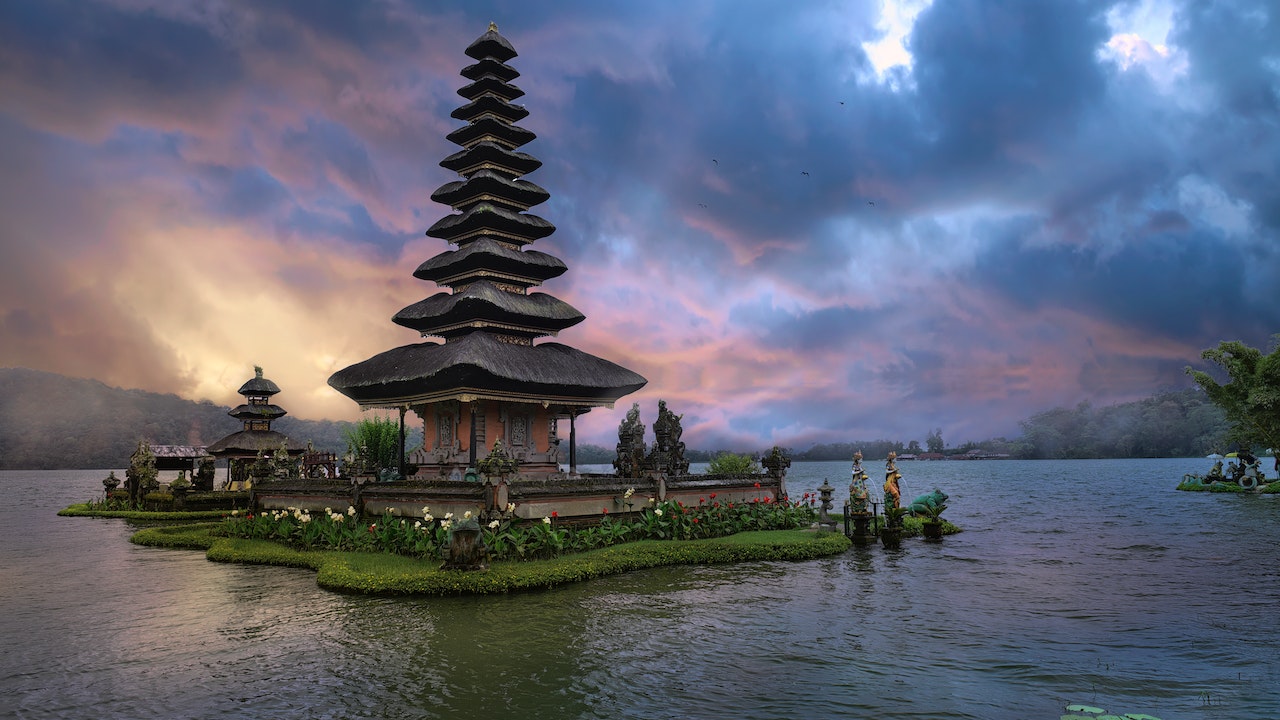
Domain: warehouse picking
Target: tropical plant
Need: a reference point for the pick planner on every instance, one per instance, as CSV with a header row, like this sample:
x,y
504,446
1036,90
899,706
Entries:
x,y
1251,400
727,463
374,442
893,516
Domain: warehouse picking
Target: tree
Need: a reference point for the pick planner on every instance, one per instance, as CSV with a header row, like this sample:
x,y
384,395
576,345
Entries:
x,y
1251,400
375,441
933,441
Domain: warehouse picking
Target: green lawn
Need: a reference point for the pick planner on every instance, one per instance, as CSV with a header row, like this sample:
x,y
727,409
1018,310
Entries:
x,y
83,510
385,574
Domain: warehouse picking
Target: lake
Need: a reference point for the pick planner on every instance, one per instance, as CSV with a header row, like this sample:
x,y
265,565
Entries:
x,y
1089,581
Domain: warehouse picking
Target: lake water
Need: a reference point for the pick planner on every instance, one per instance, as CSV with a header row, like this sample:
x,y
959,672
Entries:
x,y
1074,582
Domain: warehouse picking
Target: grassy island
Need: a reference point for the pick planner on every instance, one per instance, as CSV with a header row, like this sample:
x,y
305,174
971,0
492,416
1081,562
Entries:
x,y
377,573
88,510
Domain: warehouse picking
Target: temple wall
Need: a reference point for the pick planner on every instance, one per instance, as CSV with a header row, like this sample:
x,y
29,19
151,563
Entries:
x,y
579,498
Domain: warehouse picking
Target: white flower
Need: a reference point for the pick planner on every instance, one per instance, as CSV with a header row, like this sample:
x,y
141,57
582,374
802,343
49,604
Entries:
x,y
546,520
235,513
650,499
466,515
448,516
428,517
629,492
494,525
658,512
511,507
305,518
417,524
351,510
426,510
328,511
445,524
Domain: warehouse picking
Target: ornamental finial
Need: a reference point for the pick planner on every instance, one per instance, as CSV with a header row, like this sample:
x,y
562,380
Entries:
x,y
493,26
257,371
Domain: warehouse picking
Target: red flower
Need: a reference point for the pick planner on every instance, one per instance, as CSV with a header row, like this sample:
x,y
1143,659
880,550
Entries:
x,y
713,496
605,510
701,500
695,519
249,516
757,484
555,514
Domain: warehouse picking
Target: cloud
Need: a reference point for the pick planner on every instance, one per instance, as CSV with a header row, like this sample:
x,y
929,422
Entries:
x,y
795,237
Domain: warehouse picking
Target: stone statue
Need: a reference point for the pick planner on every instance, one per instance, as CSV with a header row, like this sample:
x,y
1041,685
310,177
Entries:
x,y
141,477
668,451
204,474
1216,471
858,487
630,457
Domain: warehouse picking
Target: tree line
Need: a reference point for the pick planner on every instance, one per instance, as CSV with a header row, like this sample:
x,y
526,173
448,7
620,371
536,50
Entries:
x,y
50,421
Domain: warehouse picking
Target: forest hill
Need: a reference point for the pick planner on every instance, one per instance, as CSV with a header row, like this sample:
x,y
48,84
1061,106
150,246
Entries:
x,y
50,421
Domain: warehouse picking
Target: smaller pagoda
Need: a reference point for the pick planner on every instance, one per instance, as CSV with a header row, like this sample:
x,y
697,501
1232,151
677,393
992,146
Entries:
x,y
241,448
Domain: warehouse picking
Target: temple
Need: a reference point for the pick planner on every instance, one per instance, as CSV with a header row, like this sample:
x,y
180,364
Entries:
x,y
240,449
487,377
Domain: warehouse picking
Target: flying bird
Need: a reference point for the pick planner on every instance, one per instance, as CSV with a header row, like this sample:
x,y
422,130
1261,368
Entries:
x,y
870,203
702,205
802,172
717,162
840,101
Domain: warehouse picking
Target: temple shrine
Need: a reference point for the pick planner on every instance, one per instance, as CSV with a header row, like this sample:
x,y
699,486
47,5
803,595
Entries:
x,y
240,449
482,378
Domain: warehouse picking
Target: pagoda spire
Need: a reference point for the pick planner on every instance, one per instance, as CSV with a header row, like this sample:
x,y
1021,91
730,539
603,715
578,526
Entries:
x,y
485,311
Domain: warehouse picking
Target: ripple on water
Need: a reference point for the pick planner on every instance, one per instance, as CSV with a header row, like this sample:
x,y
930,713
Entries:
x,y
1139,605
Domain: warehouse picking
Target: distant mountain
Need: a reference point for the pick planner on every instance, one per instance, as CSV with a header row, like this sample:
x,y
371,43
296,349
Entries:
x,y
50,421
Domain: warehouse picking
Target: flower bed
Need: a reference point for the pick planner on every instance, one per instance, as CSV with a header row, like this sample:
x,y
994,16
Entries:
x,y
508,538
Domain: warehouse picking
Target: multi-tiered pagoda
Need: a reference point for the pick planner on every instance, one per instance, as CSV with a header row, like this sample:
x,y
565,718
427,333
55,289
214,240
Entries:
x,y
488,380
257,412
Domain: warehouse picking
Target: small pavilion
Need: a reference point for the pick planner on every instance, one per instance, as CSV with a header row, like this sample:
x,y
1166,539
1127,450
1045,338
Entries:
x,y
240,449
487,379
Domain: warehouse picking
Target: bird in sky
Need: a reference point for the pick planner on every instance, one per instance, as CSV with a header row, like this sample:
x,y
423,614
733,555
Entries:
x,y
802,172
717,162
870,203
702,205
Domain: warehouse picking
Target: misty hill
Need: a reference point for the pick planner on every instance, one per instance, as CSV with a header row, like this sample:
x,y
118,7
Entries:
x,y
50,421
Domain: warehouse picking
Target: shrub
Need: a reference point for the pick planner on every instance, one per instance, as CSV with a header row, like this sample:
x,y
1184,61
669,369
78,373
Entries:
x,y
727,463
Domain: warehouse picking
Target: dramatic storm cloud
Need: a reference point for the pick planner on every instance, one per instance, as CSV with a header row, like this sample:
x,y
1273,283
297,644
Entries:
x,y
802,223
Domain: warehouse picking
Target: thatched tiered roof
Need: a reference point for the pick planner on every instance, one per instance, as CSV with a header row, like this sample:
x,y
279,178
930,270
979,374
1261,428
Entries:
x,y
488,318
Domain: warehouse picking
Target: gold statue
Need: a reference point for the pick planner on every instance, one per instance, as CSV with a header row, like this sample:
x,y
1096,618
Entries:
x,y
892,494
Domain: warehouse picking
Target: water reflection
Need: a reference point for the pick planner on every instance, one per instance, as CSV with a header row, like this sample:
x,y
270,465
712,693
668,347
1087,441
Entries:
x,y
1141,603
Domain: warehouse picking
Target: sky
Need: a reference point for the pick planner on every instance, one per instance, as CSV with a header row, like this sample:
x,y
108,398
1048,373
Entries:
x,y
802,222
